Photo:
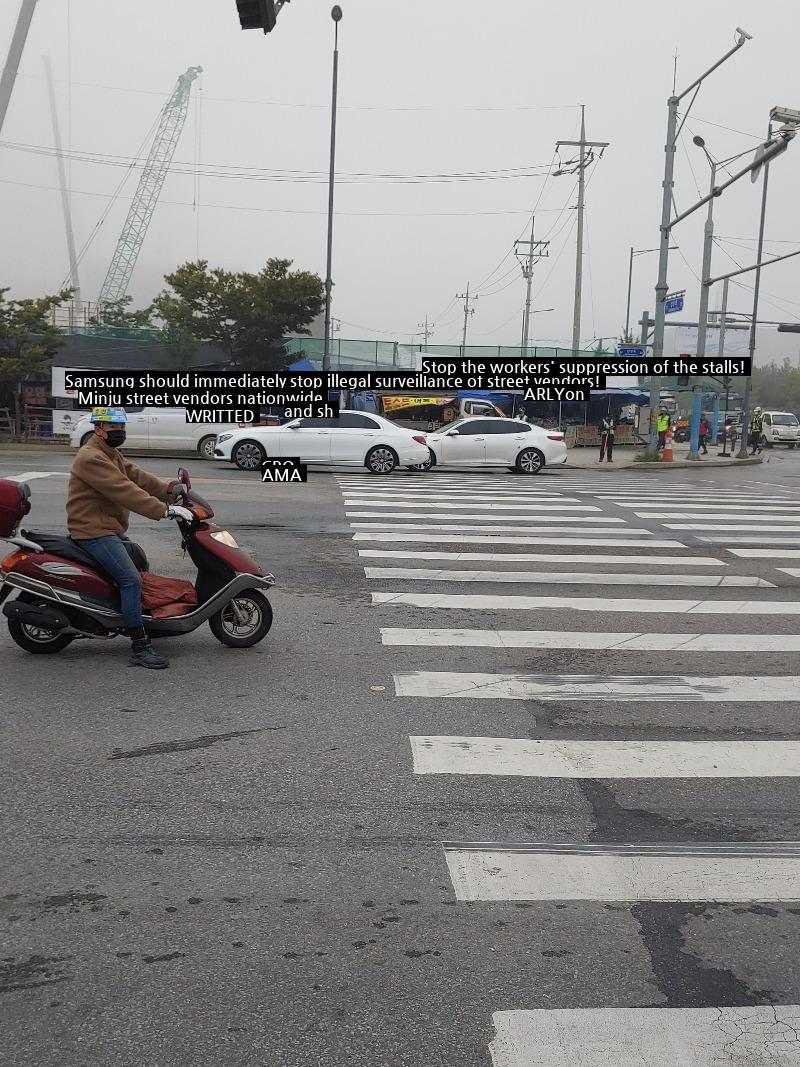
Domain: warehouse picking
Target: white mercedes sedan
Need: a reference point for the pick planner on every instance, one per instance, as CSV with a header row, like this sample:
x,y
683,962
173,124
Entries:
x,y
355,438
494,442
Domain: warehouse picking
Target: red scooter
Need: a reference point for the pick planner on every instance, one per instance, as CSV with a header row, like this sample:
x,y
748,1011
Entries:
x,y
63,594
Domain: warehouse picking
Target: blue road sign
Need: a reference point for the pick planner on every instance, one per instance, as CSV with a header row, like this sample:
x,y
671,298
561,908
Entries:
x,y
635,351
674,302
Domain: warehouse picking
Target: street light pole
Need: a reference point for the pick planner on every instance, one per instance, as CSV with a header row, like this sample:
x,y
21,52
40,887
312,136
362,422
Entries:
x,y
748,388
666,217
336,15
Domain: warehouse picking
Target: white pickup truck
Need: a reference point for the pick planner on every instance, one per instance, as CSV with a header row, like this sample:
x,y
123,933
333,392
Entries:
x,y
779,428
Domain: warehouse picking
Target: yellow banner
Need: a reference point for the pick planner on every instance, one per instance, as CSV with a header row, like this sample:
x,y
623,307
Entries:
x,y
397,403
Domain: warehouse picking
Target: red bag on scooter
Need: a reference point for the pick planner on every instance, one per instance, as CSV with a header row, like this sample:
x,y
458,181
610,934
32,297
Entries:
x,y
166,598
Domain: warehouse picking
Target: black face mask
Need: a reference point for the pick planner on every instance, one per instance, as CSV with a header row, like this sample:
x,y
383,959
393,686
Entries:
x,y
115,438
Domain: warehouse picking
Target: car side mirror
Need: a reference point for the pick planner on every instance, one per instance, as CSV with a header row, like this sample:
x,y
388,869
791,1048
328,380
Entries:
x,y
293,425
452,433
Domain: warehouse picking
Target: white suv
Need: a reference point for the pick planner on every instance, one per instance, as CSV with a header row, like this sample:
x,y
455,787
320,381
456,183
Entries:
x,y
779,428
160,428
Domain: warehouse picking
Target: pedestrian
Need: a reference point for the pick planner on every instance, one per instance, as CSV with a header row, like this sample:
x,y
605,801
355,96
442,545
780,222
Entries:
x,y
607,427
662,425
755,431
705,433
104,488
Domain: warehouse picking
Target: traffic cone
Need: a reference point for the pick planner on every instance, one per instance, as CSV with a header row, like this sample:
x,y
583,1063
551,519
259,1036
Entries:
x,y
666,455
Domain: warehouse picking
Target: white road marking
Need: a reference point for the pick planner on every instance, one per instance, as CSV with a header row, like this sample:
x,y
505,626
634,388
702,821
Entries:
x,y
710,581
548,557
29,476
765,553
706,689
762,505
467,505
529,518
734,539
652,606
500,539
773,528
605,759
758,1036
763,517
591,639
793,572
763,871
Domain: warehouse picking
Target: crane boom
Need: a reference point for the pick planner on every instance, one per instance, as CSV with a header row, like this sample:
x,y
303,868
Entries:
x,y
144,203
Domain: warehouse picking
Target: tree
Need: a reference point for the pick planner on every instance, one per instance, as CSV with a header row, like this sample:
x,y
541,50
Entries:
x,y
117,313
777,386
247,315
27,341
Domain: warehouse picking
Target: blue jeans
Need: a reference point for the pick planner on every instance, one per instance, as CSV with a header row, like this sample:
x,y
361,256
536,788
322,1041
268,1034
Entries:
x,y
112,556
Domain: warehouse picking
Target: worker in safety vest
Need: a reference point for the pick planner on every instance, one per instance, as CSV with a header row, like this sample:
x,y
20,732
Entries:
x,y
662,425
755,431
607,428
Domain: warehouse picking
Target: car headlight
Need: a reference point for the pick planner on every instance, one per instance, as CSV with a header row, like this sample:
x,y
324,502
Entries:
x,y
223,437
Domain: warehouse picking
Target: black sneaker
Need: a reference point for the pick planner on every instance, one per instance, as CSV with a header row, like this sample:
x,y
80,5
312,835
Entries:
x,y
144,655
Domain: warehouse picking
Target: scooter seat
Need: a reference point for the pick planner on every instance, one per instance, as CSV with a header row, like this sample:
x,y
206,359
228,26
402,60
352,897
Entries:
x,y
60,544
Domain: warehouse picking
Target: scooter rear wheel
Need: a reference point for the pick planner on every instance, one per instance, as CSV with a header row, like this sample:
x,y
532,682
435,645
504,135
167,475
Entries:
x,y
258,612
34,639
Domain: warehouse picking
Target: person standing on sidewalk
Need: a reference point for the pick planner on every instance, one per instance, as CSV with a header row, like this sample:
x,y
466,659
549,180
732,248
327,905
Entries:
x,y
756,426
662,425
705,432
607,428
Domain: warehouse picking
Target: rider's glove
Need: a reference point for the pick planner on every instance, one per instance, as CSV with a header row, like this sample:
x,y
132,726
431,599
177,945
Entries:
x,y
175,511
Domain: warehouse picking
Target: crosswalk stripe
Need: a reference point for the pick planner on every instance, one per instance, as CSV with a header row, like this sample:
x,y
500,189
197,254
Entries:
x,y
467,505
710,581
706,689
733,539
721,528
748,507
754,1036
765,553
547,557
522,757
422,498
510,602
793,572
705,517
724,873
589,640
489,518
500,539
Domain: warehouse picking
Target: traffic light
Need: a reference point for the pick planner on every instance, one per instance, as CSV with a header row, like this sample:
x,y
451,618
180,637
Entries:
x,y
259,14
789,327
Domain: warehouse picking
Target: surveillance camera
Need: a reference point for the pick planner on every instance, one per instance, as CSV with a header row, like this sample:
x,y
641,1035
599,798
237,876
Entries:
x,y
743,33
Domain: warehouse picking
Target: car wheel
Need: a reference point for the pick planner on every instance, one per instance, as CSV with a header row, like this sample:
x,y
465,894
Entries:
x,y
252,624
248,456
86,437
530,461
426,466
381,460
207,446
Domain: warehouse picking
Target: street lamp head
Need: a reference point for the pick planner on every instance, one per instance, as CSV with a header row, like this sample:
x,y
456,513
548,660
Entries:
x,y
336,13
743,35
699,141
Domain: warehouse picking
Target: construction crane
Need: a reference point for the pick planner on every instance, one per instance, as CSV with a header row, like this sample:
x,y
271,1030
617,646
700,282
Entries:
x,y
143,205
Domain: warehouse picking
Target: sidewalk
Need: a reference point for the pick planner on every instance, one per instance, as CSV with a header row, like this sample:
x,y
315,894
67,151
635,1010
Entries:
x,y
625,459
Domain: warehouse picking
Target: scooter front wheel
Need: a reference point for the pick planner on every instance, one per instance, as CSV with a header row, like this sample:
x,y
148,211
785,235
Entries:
x,y
244,621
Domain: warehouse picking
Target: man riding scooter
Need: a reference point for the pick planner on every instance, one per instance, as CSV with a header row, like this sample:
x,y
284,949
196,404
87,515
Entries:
x,y
104,487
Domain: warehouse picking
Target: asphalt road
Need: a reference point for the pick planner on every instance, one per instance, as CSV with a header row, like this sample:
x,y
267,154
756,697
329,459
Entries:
x,y
234,861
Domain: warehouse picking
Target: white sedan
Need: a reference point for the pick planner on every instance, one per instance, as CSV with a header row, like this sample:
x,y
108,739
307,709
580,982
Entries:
x,y
352,439
163,428
496,442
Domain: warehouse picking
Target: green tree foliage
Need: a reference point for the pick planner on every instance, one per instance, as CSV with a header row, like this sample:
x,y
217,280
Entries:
x,y
247,315
117,313
27,341
777,386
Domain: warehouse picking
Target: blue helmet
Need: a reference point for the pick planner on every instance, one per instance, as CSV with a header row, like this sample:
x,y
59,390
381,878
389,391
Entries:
x,y
109,415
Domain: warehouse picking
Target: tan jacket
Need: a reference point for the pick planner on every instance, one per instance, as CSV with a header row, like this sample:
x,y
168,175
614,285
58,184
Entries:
x,y
104,488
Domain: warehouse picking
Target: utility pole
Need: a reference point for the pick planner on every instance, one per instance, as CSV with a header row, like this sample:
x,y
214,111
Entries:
x,y
336,15
583,163
15,50
468,312
535,250
74,281
667,222
426,330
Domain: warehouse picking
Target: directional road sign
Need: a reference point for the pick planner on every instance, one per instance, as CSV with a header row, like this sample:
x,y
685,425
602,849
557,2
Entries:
x,y
673,302
635,351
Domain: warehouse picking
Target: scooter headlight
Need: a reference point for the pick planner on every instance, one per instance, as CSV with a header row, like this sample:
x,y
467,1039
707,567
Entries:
x,y
225,538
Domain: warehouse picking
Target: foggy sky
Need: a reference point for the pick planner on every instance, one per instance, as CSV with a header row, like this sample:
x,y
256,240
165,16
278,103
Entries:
x,y
427,87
